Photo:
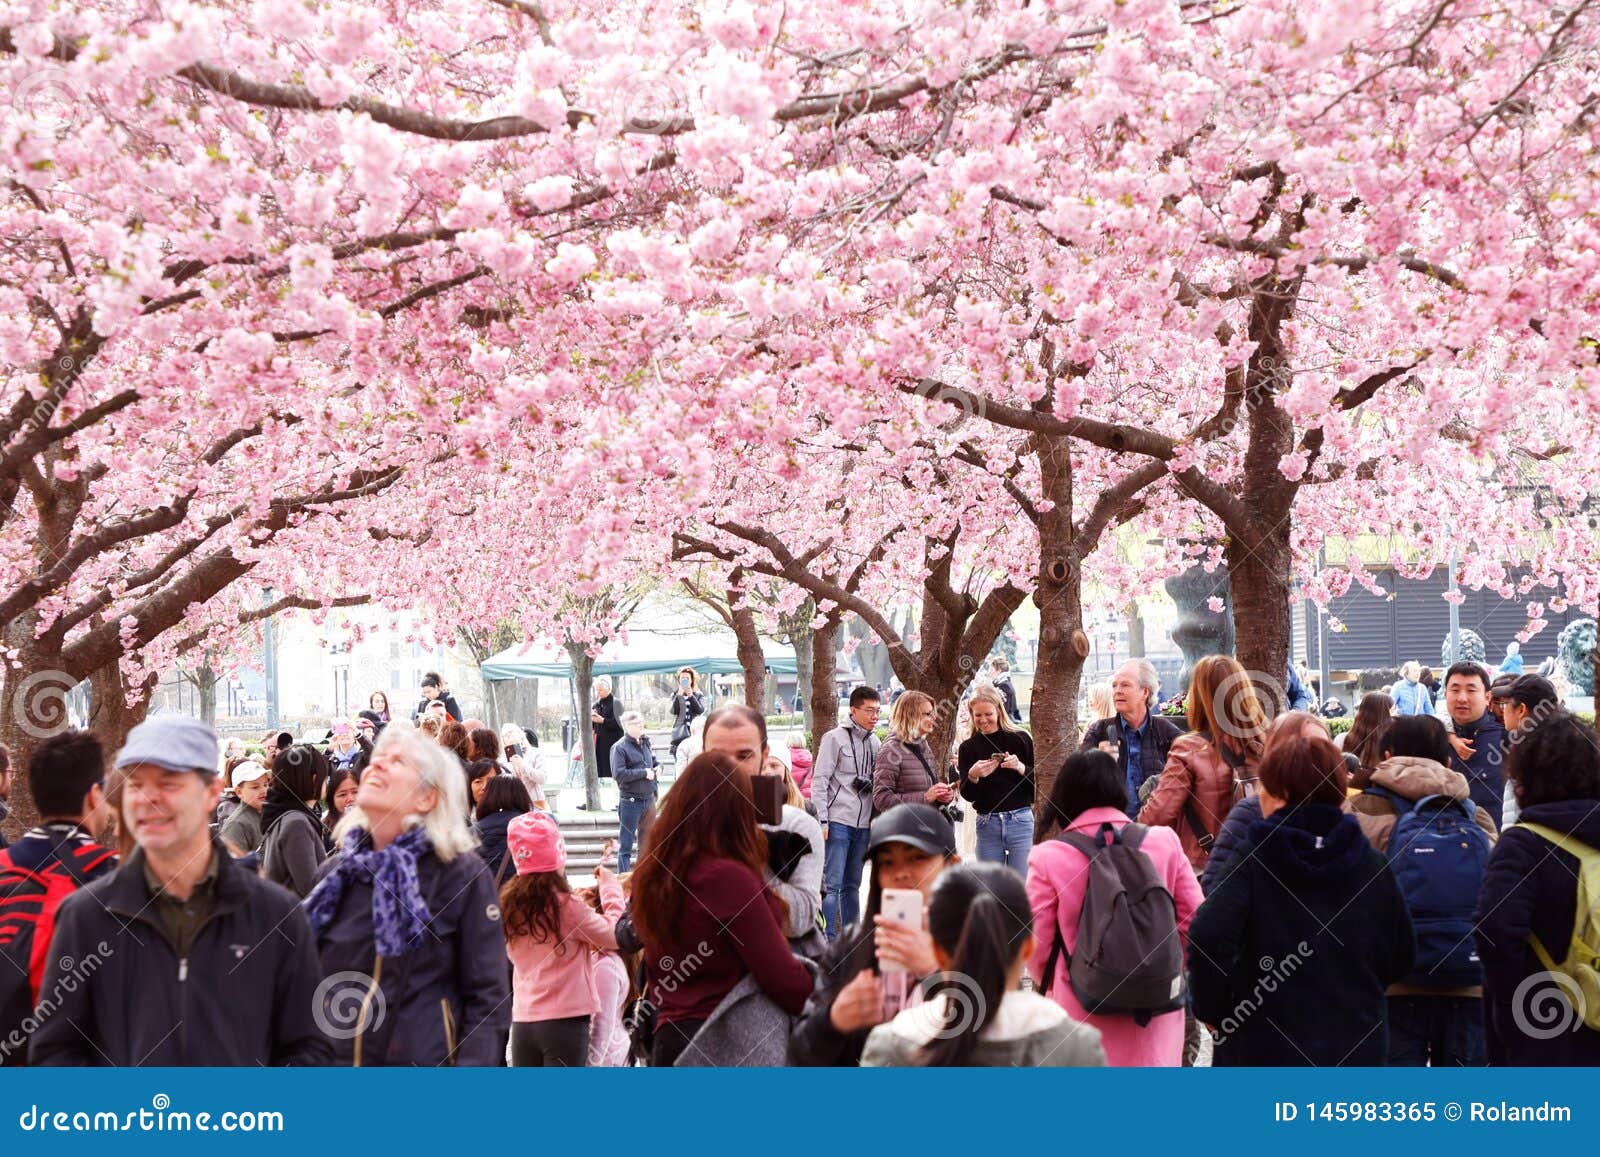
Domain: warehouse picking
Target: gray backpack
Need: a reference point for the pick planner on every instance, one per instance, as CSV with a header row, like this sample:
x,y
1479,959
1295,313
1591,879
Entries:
x,y
1129,959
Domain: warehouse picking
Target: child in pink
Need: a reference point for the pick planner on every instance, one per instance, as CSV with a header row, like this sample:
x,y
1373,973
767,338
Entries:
x,y
550,938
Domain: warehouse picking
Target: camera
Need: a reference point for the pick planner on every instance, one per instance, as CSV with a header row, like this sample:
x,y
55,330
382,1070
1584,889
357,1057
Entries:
x,y
954,813
861,785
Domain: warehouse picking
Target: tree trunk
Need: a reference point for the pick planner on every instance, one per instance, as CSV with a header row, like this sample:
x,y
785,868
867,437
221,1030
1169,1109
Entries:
x,y
205,681
111,716
1260,580
583,679
801,642
35,708
1063,646
822,702
1136,644
751,657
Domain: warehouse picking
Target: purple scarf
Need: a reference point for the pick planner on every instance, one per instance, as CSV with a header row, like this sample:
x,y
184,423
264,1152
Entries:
x,y
399,913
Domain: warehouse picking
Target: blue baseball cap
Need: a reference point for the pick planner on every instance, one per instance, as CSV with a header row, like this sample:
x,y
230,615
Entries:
x,y
175,742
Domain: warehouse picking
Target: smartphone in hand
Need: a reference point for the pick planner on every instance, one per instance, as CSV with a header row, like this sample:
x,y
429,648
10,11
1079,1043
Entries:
x,y
769,793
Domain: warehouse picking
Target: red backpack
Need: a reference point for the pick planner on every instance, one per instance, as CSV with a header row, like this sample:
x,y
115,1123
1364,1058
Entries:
x,y
29,899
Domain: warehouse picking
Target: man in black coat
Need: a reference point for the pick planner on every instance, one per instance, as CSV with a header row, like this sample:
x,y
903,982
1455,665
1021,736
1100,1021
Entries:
x,y
1136,735
605,715
180,957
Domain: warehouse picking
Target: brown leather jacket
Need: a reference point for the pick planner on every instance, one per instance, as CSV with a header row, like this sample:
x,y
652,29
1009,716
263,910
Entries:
x,y
1195,770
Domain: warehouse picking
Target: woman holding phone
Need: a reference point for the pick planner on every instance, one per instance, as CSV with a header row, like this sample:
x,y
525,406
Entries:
x,y
903,770
907,848
996,765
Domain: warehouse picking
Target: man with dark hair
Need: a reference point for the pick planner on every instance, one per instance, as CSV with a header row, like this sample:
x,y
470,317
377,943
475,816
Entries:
x,y
435,691
67,776
795,847
841,787
1478,739
178,934
5,790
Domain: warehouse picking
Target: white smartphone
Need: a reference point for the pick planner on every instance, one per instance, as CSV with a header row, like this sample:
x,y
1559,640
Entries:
x,y
904,906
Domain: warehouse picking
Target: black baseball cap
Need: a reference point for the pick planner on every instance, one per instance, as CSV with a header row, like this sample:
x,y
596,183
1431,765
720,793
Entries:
x,y
921,825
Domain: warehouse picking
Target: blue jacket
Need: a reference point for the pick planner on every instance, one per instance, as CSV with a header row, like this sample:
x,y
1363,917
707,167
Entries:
x,y
447,1001
1485,769
1232,843
631,761
491,833
1530,889
1411,698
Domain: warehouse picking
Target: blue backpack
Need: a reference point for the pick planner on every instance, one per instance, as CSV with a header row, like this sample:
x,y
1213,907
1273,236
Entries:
x,y
1438,854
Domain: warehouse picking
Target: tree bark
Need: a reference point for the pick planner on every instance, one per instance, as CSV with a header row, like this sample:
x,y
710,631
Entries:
x,y
822,702
1063,646
34,709
1136,644
1260,579
205,681
801,641
751,657
583,678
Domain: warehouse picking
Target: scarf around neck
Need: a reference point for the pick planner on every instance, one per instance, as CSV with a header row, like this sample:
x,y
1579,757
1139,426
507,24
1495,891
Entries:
x,y
400,915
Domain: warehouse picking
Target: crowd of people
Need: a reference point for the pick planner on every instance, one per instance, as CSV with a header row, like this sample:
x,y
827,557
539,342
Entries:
x,y
399,893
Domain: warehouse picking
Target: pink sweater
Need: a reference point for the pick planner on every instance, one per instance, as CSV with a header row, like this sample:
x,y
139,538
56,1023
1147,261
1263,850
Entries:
x,y
608,1040
552,980
1057,875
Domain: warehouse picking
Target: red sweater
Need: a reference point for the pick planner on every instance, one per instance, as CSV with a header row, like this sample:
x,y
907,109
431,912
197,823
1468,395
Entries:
x,y
730,926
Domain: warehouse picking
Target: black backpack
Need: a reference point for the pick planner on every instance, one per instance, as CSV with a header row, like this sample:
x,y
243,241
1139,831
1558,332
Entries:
x,y
1129,959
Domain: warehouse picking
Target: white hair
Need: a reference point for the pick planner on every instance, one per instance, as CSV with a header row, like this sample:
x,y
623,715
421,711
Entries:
x,y
1411,670
446,823
603,681
512,735
1145,671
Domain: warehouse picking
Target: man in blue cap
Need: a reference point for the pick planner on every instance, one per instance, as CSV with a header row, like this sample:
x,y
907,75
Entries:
x,y
178,934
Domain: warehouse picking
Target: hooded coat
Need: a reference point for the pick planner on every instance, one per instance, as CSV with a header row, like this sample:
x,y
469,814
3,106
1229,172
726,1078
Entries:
x,y
1530,889
1291,955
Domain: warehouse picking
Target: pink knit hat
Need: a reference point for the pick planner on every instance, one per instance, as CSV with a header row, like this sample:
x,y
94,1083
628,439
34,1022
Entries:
x,y
534,843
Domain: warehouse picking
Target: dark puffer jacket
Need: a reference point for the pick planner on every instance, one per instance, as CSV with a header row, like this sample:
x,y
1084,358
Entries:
x,y
1530,889
447,1001
141,1005
1291,954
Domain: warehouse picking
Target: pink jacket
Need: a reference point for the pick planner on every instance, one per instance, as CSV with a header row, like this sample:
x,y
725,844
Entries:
x,y
554,980
608,1040
800,764
1057,875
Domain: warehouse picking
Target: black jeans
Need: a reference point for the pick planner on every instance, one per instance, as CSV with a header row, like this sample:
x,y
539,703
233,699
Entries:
x,y
672,1038
551,1044
1436,1030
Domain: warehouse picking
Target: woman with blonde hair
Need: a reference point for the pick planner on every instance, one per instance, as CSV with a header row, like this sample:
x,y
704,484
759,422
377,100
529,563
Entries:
x,y
996,765
407,907
1100,705
903,772
1215,764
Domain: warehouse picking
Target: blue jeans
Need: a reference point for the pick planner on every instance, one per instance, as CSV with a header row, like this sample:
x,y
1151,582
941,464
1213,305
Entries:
x,y
1441,1031
1005,837
844,856
630,812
